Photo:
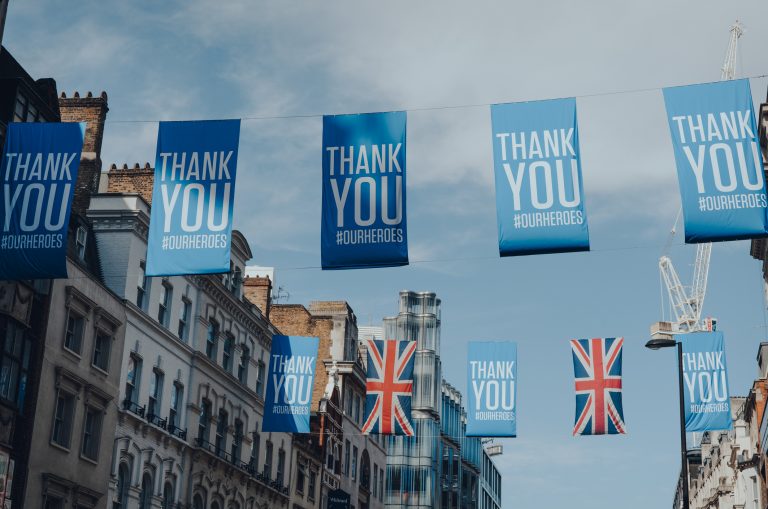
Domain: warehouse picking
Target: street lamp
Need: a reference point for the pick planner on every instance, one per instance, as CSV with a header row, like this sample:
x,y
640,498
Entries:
x,y
668,342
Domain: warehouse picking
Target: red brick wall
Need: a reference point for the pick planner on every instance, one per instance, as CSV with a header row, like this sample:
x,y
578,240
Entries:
x,y
295,320
93,111
132,180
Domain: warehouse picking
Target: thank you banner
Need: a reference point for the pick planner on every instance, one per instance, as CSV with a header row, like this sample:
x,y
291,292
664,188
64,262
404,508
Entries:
x,y
364,214
707,405
539,198
194,190
492,375
38,172
719,164
289,387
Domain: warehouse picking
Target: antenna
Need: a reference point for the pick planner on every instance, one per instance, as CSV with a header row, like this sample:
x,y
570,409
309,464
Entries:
x,y
280,294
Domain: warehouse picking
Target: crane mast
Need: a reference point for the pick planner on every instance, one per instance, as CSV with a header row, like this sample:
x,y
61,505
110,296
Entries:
x,y
687,303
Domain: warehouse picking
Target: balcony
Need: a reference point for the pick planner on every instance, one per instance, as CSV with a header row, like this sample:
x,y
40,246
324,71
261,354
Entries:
x,y
157,421
247,467
177,432
134,408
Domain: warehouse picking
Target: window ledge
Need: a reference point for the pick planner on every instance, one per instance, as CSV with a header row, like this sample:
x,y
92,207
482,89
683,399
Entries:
x,y
71,352
59,446
89,460
100,370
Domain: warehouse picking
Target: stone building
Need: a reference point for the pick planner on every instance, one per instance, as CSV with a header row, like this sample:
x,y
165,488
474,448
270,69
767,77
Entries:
x,y
727,474
353,462
193,373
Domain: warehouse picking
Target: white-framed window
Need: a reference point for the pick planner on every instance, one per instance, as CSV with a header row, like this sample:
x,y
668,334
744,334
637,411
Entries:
x,y
102,346
164,308
154,405
62,419
91,433
226,360
177,395
81,238
73,336
142,290
133,379
183,329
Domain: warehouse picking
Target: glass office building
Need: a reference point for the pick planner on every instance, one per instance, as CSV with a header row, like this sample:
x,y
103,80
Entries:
x,y
439,466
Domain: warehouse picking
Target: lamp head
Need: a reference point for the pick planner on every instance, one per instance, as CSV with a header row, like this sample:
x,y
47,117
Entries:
x,y
655,344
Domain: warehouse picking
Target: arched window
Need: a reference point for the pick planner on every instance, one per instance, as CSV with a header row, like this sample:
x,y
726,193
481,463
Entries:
x,y
145,499
123,482
168,495
197,502
215,505
365,470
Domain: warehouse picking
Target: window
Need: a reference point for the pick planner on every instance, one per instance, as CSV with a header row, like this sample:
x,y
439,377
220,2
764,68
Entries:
x,y
80,240
255,450
237,443
260,378
145,499
212,340
237,279
73,337
133,379
155,394
205,418
168,496
62,419
123,483
221,432
280,466
176,396
381,483
53,502
301,474
312,484
164,309
142,290
347,452
101,350
375,477
226,360
242,367
184,319
354,462
14,362
91,433
268,460
356,408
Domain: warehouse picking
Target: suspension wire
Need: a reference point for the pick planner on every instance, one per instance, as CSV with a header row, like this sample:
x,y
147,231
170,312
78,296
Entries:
x,y
431,108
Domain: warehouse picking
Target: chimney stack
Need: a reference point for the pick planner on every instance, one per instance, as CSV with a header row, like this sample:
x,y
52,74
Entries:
x,y
258,290
93,111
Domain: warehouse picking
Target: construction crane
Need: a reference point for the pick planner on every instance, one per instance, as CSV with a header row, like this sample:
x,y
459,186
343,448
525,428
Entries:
x,y
687,302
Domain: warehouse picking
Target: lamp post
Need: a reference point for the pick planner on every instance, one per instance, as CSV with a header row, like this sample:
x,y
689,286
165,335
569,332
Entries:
x,y
655,344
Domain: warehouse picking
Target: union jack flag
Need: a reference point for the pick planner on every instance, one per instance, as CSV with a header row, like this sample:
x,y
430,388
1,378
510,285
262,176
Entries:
x,y
597,369
389,386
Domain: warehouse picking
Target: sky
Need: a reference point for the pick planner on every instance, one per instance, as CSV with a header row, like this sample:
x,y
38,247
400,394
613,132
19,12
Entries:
x,y
200,59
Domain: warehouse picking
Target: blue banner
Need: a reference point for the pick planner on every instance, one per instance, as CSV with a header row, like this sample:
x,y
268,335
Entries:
x,y
364,213
719,164
289,386
38,173
492,389
539,198
705,380
194,191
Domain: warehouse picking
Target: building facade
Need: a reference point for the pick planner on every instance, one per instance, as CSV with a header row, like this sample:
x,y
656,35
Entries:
x,y
193,373
354,462
490,484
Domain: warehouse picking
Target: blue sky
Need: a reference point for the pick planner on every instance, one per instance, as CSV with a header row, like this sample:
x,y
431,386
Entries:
x,y
198,59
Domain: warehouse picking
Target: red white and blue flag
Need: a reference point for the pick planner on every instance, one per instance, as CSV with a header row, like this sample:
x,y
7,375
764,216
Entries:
x,y
597,369
389,386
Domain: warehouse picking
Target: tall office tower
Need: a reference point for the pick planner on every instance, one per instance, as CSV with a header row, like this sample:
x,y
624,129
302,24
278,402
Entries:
x,y
413,463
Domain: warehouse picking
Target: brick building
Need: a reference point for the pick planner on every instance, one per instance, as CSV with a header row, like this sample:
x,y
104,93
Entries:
x,y
353,462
